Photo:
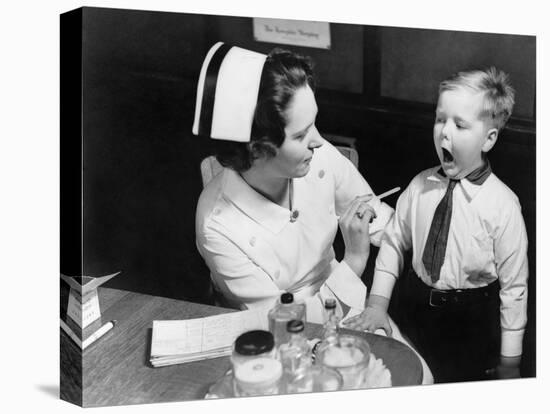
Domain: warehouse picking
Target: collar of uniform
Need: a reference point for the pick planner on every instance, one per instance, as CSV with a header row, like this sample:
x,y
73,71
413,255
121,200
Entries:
x,y
253,204
470,189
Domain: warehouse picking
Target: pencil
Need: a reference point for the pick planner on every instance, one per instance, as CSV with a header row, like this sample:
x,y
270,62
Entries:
x,y
92,338
98,334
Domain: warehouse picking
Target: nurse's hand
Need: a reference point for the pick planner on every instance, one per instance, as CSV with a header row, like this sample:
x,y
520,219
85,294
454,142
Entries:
x,y
354,224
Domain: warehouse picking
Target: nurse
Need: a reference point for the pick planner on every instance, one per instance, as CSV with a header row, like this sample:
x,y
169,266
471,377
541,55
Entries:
x,y
266,224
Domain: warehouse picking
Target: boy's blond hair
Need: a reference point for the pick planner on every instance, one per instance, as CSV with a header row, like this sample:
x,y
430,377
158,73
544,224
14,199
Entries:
x,y
495,84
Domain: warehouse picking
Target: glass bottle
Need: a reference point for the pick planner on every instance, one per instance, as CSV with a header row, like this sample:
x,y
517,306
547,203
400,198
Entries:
x,y
284,311
330,328
256,370
295,357
295,353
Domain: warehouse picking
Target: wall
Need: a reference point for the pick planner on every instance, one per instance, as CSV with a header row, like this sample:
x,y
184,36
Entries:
x,y
340,68
415,60
141,174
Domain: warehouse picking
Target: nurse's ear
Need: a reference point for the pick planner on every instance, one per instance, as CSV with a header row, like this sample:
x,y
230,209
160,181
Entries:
x,y
262,149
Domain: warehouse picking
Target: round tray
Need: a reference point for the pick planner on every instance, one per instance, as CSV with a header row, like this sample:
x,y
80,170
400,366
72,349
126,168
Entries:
x,y
378,376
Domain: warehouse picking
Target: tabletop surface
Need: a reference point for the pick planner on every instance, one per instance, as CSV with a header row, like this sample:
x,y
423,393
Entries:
x,y
116,368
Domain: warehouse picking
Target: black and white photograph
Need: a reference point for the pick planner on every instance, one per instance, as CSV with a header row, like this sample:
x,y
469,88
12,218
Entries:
x,y
280,209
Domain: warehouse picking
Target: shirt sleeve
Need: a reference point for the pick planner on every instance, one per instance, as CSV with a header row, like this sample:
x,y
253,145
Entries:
x,y
512,270
247,284
349,183
396,241
346,286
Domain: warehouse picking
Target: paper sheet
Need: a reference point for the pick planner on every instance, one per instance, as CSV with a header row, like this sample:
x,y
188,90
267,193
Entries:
x,y
191,339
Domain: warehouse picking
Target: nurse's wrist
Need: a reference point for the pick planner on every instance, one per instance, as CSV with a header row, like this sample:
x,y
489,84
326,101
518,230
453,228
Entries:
x,y
357,263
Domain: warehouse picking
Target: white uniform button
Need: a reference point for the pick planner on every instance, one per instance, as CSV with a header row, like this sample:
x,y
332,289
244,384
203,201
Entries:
x,y
217,211
331,210
253,241
321,173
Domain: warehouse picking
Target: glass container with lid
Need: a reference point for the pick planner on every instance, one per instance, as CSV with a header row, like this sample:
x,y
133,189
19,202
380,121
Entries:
x,y
256,370
260,376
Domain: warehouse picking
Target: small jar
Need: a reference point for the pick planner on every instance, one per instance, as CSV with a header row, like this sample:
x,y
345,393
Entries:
x,y
315,378
349,355
260,376
256,370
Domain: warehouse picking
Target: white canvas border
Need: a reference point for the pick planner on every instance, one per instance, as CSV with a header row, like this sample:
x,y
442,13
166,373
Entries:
x,y
30,201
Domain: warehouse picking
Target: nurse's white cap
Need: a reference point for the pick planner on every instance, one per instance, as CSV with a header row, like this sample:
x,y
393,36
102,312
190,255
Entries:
x,y
227,93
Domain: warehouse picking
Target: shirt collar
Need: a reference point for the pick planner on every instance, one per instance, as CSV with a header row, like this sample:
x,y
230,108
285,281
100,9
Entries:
x,y
469,188
263,211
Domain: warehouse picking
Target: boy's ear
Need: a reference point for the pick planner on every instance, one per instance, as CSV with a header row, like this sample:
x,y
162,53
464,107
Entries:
x,y
490,140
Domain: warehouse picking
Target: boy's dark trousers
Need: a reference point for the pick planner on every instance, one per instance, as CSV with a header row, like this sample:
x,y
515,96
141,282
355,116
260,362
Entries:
x,y
457,331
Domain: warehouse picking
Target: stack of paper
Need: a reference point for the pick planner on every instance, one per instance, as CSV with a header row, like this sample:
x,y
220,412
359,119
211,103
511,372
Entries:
x,y
180,341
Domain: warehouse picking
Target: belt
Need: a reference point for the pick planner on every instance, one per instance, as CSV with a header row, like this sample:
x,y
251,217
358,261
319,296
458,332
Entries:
x,y
437,298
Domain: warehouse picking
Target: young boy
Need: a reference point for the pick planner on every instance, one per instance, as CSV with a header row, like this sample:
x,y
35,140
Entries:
x,y
466,301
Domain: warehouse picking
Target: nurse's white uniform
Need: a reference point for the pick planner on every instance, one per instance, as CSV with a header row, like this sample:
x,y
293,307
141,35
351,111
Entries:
x,y
255,252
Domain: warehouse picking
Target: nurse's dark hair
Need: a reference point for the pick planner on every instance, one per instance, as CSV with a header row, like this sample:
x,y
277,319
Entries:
x,y
283,73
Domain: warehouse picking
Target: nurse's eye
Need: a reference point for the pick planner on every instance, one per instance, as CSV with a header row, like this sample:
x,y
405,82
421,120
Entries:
x,y
302,135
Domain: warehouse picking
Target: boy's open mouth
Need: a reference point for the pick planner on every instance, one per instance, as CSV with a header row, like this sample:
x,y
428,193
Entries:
x,y
447,156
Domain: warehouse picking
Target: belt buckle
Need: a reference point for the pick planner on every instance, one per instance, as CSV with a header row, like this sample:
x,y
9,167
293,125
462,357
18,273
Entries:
x,y
443,299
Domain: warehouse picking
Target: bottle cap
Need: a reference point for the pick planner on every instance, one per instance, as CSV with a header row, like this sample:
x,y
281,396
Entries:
x,y
254,343
330,303
295,326
287,298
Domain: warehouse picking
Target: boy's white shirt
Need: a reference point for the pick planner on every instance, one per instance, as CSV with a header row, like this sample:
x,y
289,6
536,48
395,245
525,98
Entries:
x,y
487,241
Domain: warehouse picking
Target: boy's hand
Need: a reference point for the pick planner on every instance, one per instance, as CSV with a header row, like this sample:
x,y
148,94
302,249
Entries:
x,y
371,319
508,368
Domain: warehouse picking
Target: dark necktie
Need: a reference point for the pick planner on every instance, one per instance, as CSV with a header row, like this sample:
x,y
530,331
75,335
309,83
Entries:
x,y
436,243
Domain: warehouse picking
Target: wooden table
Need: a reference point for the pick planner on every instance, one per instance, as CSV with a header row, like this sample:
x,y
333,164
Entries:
x,y
116,369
